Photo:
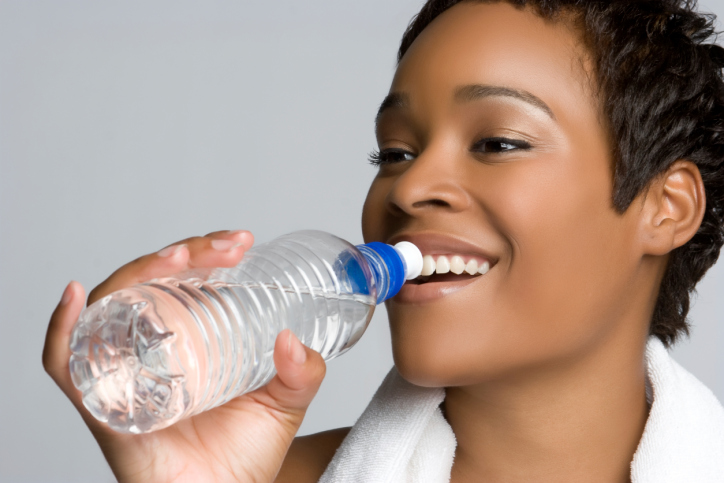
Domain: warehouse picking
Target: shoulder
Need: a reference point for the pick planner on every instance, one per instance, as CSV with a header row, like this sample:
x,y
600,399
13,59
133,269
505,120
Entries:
x,y
308,456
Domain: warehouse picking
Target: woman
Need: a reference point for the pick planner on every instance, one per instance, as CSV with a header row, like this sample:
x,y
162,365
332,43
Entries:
x,y
575,148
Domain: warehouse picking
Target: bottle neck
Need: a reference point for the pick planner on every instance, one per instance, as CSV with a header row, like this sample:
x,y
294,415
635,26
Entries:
x,y
388,268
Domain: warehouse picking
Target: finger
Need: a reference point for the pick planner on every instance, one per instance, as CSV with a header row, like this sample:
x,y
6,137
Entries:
x,y
244,237
165,262
215,252
300,371
218,249
56,352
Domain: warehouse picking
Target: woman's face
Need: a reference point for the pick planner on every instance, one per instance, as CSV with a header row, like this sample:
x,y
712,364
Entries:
x,y
492,148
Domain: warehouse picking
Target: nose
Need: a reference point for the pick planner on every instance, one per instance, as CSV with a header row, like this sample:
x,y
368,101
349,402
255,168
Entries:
x,y
434,181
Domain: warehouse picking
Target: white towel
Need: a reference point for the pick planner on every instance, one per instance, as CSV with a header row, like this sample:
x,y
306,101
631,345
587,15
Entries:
x,y
683,439
403,437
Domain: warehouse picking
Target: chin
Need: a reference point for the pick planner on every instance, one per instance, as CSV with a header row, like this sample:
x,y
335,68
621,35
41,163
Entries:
x,y
420,375
430,363
431,353
431,358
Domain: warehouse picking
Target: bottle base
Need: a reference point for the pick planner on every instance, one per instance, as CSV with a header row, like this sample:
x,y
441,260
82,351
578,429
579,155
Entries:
x,y
121,363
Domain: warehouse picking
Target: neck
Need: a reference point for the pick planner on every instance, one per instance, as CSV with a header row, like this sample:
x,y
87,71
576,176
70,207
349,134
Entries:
x,y
580,420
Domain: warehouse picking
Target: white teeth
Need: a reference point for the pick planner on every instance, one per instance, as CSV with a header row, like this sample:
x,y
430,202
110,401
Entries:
x,y
457,265
443,265
484,268
428,266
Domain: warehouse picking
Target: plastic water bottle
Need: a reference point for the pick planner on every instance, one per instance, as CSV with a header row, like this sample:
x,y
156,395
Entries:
x,y
146,356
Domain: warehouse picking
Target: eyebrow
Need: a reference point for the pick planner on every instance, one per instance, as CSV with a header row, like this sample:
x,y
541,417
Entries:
x,y
393,100
474,92
468,93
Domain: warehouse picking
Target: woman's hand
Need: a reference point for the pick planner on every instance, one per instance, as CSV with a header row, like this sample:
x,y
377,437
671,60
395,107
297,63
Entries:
x,y
247,438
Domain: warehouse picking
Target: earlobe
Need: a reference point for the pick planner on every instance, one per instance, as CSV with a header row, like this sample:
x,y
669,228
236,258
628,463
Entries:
x,y
673,208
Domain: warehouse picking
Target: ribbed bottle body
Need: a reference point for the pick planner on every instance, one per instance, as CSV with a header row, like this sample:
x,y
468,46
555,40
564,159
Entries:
x,y
147,356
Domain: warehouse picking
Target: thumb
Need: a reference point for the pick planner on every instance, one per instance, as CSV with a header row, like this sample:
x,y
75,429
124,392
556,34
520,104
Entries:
x,y
300,371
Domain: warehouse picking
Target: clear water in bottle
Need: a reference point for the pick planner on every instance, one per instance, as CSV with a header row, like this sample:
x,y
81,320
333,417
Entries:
x,y
149,355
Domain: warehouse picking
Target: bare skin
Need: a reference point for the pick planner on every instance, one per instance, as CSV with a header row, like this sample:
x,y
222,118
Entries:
x,y
308,456
542,357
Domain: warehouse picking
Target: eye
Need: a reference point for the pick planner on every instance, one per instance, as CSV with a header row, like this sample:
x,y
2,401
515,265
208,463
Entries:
x,y
390,156
499,145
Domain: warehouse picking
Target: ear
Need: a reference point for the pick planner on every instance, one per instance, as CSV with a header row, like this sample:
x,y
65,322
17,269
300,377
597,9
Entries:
x,y
673,208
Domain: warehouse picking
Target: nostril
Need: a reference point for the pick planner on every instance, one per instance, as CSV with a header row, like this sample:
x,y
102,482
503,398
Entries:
x,y
433,202
396,210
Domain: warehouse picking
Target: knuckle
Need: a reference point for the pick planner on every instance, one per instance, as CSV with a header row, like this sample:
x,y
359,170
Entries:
x,y
95,294
98,293
286,417
194,243
47,364
318,377
137,263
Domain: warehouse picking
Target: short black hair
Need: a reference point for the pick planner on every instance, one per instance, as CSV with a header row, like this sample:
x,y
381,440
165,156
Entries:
x,y
658,72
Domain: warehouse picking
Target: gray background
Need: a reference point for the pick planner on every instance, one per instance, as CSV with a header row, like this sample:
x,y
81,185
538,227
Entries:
x,y
125,126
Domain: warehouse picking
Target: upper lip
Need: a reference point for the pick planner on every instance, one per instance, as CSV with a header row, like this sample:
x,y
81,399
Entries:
x,y
439,244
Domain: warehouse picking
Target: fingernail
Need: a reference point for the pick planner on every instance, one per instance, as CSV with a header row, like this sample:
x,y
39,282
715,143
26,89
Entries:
x,y
67,295
238,233
170,251
296,349
224,245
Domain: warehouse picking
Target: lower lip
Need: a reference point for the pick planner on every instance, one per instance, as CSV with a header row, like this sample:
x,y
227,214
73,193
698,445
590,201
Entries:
x,y
411,293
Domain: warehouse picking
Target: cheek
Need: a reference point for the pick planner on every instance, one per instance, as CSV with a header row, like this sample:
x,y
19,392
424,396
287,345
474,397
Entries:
x,y
567,246
373,211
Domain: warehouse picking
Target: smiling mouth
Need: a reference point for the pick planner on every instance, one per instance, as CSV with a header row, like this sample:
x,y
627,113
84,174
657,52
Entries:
x,y
442,275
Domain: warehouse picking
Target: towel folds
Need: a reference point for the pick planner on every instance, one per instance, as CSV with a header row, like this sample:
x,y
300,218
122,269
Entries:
x,y
402,436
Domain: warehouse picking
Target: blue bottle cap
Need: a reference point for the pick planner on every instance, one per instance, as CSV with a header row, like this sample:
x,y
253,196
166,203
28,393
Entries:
x,y
395,268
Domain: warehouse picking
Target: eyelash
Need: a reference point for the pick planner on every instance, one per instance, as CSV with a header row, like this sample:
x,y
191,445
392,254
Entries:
x,y
378,158
516,144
